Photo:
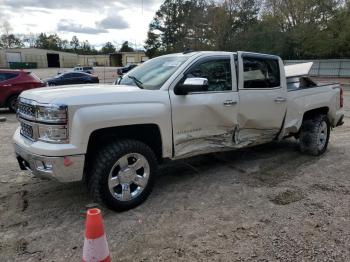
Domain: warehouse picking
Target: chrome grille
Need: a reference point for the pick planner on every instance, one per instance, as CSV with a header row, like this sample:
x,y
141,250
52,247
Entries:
x,y
26,110
27,131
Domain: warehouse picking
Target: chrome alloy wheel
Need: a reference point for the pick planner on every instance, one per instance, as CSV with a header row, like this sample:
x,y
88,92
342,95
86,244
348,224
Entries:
x,y
322,135
128,177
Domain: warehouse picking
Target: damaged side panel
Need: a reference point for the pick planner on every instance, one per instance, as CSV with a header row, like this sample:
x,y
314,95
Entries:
x,y
232,138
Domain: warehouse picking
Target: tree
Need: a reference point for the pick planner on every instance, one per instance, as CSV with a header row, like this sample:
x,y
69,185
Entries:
x,y
176,26
74,43
108,48
51,42
30,39
126,48
293,29
10,41
153,45
7,39
42,41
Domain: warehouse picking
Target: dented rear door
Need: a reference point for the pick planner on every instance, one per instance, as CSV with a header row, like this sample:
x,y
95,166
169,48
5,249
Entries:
x,y
263,98
206,121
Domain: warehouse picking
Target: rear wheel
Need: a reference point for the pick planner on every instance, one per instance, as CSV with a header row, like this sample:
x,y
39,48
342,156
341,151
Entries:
x,y
314,135
122,175
12,103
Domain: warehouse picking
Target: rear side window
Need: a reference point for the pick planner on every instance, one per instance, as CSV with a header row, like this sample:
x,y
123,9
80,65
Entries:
x,y
7,76
34,76
68,75
79,74
261,72
87,68
71,75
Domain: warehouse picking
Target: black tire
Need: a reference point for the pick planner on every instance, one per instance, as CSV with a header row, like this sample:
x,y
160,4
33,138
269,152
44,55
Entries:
x,y
52,84
310,135
104,164
12,103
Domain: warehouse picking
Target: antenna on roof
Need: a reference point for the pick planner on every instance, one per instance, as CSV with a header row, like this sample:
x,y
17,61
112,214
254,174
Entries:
x,y
188,50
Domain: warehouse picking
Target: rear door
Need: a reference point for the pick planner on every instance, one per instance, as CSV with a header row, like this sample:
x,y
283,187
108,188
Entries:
x,y
263,97
70,78
8,86
78,78
205,121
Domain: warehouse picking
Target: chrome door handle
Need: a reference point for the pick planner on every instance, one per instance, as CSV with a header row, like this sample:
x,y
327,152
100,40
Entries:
x,y
230,103
7,85
280,100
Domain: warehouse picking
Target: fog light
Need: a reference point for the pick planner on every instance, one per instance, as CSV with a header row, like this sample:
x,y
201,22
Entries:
x,y
43,165
53,134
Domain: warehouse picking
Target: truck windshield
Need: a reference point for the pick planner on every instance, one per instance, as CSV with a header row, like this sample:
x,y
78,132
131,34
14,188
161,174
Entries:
x,y
153,73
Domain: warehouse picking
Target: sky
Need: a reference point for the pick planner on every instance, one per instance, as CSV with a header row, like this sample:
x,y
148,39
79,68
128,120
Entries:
x,y
97,21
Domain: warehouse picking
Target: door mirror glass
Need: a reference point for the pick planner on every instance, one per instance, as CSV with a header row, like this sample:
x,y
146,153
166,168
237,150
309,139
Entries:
x,y
190,85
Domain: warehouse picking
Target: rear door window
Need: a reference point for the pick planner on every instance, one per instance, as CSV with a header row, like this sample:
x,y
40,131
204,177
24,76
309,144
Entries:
x,y
7,76
70,75
76,75
261,72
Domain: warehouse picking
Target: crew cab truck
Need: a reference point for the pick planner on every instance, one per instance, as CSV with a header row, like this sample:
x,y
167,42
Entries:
x,y
113,137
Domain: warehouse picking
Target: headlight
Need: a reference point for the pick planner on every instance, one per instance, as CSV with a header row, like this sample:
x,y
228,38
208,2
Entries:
x,y
47,122
53,134
44,113
52,114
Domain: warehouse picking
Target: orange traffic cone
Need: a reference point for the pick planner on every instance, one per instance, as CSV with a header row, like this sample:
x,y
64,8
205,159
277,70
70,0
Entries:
x,y
95,243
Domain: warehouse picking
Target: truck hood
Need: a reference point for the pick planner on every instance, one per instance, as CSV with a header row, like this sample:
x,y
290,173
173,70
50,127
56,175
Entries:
x,y
84,94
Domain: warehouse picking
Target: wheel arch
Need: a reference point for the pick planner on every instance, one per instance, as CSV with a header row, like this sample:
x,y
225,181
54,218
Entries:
x,y
8,100
147,133
10,96
316,111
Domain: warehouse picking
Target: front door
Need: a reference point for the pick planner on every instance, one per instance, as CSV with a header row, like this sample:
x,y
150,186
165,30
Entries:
x,y
263,98
206,121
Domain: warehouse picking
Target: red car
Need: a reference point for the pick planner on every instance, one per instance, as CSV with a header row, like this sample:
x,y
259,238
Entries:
x,y
12,83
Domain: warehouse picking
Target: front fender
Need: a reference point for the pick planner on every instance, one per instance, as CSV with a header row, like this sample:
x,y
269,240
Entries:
x,y
86,120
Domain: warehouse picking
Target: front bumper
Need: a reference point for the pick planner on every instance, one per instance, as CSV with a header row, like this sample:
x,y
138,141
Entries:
x,y
63,169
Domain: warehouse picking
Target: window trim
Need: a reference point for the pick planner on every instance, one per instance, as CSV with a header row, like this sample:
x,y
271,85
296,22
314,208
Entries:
x,y
207,59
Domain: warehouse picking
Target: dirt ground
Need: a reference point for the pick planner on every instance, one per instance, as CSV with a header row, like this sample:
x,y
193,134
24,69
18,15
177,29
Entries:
x,y
267,203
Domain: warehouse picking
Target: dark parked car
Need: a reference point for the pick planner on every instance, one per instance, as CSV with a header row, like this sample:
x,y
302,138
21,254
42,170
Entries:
x,y
72,78
12,83
124,70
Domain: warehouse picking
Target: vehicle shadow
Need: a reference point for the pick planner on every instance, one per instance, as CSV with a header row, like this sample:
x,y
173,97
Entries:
x,y
264,165
4,111
260,166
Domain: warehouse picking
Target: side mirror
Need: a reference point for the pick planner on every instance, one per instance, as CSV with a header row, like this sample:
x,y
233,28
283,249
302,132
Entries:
x,y
191,85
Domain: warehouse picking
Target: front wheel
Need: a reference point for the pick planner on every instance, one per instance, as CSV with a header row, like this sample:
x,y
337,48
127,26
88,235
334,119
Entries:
x,y
122,175
314,135
12,103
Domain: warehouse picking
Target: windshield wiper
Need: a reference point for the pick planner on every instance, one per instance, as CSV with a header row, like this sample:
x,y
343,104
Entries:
x,y
137,82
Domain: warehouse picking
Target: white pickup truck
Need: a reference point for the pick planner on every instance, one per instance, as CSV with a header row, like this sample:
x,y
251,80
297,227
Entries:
x,y
114,136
